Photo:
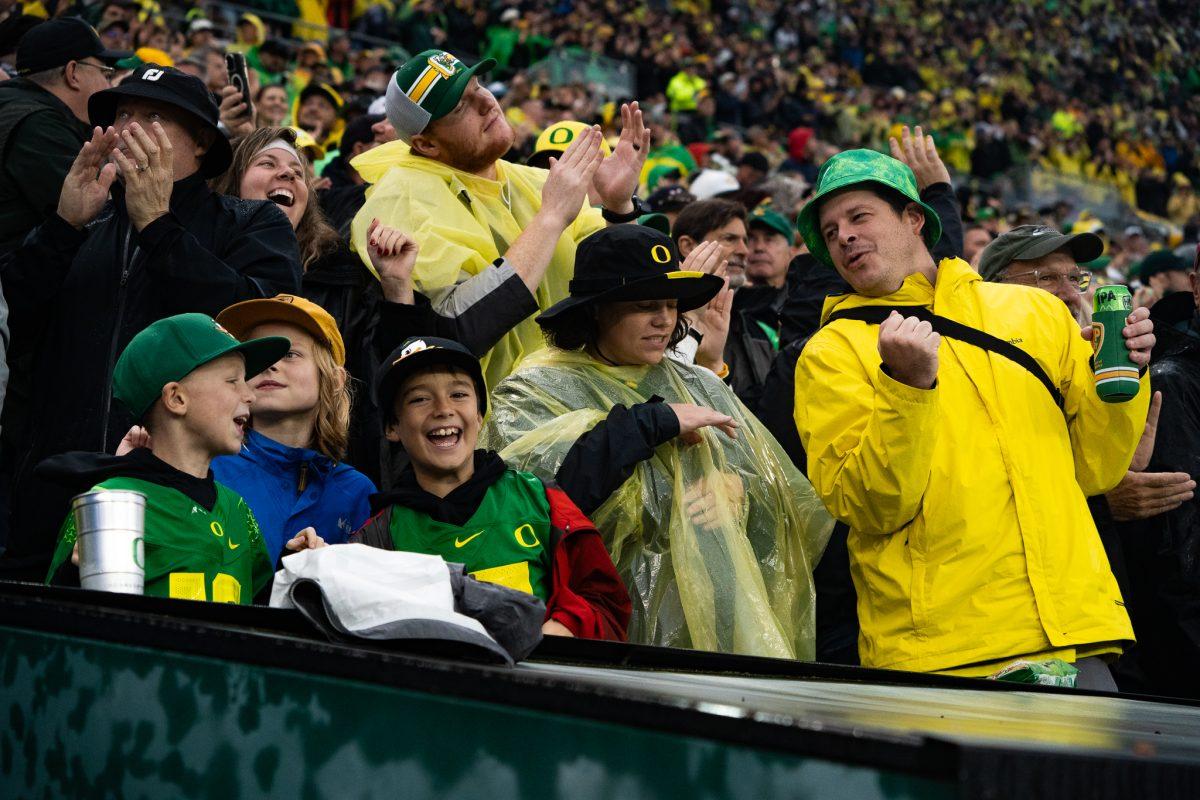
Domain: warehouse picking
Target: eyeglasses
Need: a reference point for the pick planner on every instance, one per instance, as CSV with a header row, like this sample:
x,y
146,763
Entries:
x,y
1049,280
107,72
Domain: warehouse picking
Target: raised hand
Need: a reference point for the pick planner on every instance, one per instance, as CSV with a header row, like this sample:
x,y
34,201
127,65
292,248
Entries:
x,y
1145,447
86,187
918,151
571,176
393,253
711,321
618,177
1141,495
136,437
705,257
237,116
713,324
148,172
909,347
1138,333
693,417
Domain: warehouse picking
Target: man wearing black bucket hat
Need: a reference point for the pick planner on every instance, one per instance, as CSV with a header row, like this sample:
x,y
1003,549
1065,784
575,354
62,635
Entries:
x,y
713,530
99,270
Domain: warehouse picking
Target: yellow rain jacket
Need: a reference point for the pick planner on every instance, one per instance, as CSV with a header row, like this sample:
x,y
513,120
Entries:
x,y
970,539
463,223
738,582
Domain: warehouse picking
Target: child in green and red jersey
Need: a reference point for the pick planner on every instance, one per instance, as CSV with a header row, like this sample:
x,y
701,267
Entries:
x,y
184,379
469,507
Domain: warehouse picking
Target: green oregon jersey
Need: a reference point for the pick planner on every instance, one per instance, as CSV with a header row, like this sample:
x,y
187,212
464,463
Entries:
x,y
192,553
504,542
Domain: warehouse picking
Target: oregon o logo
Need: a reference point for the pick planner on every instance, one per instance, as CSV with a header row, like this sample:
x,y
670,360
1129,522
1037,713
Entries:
x,y
561,136
519,535
216,528
660,254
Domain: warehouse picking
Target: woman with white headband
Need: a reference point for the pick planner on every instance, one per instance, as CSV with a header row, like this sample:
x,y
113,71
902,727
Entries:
x,y
268,165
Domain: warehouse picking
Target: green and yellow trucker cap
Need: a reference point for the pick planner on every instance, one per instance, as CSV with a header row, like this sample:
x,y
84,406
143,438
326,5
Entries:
x,y
860,168
171,348
427,87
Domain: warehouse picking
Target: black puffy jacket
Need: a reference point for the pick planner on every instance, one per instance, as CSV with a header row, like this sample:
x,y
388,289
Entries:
x,y
80,296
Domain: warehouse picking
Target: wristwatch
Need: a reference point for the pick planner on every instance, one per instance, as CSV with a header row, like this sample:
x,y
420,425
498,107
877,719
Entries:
x,y
639,208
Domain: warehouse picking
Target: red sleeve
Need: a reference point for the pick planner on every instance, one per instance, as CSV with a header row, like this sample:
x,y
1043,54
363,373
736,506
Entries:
x,y
587,595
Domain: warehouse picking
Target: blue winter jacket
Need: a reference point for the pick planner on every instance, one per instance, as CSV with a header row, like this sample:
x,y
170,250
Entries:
x,y
292,488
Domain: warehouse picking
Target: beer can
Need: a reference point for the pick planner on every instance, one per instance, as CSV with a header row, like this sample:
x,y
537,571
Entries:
x,y
1116,374
110,526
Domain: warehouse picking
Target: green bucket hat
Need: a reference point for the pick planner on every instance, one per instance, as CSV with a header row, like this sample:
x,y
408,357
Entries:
x,y
426,88
171,348
773,220
853,167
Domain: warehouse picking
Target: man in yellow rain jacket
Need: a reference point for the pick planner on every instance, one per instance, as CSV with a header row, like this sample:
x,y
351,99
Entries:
x,y
446,185
962,474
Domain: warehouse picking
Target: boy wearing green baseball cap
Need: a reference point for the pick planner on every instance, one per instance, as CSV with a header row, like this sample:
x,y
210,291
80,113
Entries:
x,y
184,379
953,424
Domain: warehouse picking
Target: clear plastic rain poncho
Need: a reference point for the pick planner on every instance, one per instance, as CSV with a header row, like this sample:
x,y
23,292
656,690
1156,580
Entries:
x,y
715,541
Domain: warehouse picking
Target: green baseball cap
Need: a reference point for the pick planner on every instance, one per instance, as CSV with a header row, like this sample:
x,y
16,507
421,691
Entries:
x,y
427,87
171,348
1027,242
852,168
660,222
774,220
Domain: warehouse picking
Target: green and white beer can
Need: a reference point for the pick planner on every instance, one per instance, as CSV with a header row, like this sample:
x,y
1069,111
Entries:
x,y
1116,374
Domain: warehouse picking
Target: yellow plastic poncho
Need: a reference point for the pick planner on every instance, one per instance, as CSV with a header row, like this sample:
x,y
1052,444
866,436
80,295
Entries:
x,y
464,223
737,581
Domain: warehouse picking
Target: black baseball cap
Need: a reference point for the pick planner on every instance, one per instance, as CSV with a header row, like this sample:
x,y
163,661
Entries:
x,y
171,87
1027,242
1160,261
669,198
630,262
56,42
421,352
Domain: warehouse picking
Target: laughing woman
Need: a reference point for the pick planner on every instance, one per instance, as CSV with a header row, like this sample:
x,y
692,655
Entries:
x,y
267,165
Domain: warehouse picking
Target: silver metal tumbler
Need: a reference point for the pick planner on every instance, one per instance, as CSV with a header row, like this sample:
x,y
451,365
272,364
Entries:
x,y
110,526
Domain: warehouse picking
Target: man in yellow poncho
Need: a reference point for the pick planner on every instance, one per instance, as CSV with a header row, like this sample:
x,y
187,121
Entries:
x,y
962,470
446,185
712,529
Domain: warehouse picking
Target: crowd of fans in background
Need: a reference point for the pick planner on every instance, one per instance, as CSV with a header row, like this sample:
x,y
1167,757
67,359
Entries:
x,y
743,104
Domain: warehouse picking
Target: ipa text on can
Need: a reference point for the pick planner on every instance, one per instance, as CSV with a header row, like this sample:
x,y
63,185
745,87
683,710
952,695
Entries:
x,y
1117,378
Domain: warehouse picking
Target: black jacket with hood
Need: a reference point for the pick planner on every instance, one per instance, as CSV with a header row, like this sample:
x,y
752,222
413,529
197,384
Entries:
x,y
80,296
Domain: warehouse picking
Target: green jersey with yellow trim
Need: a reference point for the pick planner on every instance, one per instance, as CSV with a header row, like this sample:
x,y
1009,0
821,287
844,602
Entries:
x,y
192,553
504,542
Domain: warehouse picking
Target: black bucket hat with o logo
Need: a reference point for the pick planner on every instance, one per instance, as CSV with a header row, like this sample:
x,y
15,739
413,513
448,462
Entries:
x,y
630,262
170,87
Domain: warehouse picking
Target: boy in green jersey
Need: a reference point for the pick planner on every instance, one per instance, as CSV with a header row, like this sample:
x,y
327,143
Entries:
x,y
184,379
470,508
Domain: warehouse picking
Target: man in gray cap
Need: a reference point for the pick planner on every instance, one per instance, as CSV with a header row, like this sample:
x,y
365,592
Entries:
x,y
1038,255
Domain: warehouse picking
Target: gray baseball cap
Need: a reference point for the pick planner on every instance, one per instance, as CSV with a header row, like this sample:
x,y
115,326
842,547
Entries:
x,y
1027,242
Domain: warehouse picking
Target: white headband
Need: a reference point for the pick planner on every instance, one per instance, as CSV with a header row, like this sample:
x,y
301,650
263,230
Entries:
x,y
280,144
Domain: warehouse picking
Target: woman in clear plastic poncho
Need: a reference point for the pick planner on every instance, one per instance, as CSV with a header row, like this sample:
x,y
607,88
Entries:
x,y
714,532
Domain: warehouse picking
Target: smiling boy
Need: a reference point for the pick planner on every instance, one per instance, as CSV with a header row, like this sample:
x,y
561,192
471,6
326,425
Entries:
x,y
469,507
184,379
